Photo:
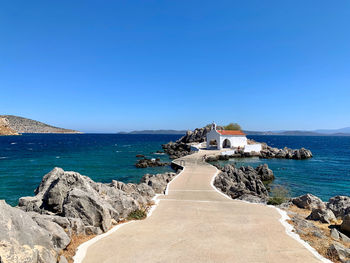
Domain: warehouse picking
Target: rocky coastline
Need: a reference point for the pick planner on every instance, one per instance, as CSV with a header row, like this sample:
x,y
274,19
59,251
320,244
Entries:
x,y
67,205
182,147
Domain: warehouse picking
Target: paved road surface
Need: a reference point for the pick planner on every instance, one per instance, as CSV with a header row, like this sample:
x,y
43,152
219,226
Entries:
x,y
195,223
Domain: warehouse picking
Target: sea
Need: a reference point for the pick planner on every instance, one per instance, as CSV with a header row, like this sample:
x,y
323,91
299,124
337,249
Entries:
x,y
25,159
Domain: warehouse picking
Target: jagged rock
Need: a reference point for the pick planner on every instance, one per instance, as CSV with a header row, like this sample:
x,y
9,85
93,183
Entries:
x,y
303,226
345,226
59,237
158,182
344,238
286,153
94,205
340,205
265,173
176,149
308,201
144,163
63,259
339,251
325,216
22,239
240,182
335,234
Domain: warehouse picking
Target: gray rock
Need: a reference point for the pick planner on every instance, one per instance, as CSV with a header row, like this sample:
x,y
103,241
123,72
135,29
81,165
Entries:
x,y
335,234
63,259
308,201
22,239
340,205
59,237
265,174
144,163
240,182
345,226
325,216
339,251
344,238
158,182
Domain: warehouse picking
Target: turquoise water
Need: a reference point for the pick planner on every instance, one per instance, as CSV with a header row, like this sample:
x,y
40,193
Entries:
x,y
326,174
24,160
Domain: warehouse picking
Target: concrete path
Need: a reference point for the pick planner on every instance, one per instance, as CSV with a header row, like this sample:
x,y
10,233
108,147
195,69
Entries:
x,y
195,223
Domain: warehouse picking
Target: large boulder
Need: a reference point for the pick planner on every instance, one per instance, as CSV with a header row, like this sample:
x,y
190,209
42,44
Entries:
x,y
95,205
240,182
22,239
340,205
308,201
265,174
325,216
158,182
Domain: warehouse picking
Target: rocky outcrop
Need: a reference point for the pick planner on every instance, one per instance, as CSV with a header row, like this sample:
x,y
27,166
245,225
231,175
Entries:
x,y
241,183
265,174
176,149
22,239
308,201
24,125
286,153
345,226
339,252
340,205
66,204
144,163
325,216
158,182
5,128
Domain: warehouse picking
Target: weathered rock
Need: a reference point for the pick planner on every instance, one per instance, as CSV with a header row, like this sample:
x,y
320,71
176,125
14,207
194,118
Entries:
x,y
339,251
144,163
335,234
340,205
265,173
303,226
59,237
22,239
285,153
308,201
345,226
344,237
158,182
325,216
240,182
94,205
177,149
63,259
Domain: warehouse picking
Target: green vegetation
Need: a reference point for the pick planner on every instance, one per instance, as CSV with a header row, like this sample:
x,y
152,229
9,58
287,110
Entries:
x,y
137,215
279,195
233,127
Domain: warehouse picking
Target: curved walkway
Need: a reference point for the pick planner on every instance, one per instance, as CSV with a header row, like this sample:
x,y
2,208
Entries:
x,y
195,223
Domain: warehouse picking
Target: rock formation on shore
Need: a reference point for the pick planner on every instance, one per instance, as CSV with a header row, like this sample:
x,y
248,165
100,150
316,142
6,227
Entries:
x,y
24,125
66,204
5,128
144,163
244,183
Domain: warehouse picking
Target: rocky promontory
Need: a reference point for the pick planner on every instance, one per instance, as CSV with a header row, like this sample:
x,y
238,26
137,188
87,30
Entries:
x,y
5,128
244,183
68,204
24,125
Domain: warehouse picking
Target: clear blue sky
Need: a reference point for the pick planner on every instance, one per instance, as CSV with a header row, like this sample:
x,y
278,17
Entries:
x,y
106,66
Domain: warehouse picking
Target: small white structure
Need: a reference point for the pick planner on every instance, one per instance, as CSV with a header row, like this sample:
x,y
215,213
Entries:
x,y
218,139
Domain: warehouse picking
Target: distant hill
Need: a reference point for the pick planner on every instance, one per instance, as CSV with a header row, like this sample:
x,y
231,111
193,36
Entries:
x,y
334,131
181,132
281,133
24,125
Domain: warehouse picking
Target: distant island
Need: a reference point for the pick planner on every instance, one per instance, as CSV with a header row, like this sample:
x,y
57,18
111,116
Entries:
x,y
335,132
15,125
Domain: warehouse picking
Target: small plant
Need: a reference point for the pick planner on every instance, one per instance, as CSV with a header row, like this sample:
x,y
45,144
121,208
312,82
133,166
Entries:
x,y
279,195
137,214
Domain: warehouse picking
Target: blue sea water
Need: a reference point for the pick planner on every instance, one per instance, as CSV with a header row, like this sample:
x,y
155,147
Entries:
x,y
25,159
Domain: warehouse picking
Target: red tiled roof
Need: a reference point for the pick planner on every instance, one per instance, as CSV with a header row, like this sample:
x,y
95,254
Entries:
x,y
228,132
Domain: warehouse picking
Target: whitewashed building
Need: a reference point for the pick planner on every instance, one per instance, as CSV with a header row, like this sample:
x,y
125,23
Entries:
x,y
219,139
